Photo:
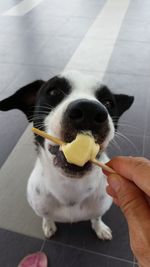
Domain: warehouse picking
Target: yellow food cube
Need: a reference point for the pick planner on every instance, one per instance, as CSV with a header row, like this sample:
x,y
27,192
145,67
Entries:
x,y
81,150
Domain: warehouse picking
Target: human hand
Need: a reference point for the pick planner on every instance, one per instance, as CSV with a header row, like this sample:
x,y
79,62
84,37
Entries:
x,y
130,189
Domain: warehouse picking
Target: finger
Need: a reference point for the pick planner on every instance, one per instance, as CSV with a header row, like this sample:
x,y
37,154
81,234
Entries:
x,y
131,200
110,191
137,212
135,169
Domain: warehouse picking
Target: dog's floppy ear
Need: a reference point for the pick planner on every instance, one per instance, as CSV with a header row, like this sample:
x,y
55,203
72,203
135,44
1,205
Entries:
x,y
24,99
124,102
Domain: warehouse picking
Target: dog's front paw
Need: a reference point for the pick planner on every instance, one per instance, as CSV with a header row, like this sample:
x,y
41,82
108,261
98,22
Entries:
x,y
49,228
101,229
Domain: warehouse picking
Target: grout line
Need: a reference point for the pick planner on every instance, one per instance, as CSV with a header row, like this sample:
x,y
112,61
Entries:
x,y
43,244
134,261
89,251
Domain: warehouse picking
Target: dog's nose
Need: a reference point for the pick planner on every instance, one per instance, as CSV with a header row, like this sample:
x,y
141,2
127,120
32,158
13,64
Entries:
x,y
86,115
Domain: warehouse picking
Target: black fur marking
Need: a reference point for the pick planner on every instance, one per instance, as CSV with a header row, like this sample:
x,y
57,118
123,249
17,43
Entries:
x,y
50,95
116,104
24,99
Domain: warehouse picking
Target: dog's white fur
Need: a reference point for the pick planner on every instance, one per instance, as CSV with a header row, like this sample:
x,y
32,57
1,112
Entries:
x,y
56,197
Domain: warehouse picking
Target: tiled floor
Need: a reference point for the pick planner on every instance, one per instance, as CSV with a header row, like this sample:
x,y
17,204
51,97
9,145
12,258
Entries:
x,y
111,40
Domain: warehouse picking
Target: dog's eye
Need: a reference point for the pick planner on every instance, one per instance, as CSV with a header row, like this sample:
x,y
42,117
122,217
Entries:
x,y
55,92
108,104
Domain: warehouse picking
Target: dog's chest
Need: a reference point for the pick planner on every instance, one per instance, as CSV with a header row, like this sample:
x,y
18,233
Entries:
x,y
70,191
90,207
67,200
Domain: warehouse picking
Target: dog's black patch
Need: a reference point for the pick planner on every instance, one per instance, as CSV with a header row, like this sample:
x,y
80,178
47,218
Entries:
x,y
23,99
53,149
49,96
116,104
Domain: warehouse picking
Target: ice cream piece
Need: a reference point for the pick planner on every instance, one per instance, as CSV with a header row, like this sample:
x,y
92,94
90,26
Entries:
x,y
93,154
80,150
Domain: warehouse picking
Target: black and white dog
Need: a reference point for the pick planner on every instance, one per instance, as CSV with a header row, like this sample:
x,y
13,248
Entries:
x,y
63,106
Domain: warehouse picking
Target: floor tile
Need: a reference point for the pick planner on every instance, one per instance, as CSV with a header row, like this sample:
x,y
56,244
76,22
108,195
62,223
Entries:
x,y
133,121
4,5
77,8
82,236
59,255
135,30
13,200
92,55
8,74
14,25
75,27
46,25
138,9
55,8
13,123
20,49
14,247
127,59
57,52
88,8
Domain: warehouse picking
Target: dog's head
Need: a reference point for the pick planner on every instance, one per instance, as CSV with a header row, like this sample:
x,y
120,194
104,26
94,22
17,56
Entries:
x,y
66,105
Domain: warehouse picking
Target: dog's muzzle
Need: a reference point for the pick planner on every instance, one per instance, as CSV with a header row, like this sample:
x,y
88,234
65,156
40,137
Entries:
x,y
80,116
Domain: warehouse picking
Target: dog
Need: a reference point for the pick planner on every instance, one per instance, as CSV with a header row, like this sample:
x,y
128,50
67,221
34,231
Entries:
x,y
64,106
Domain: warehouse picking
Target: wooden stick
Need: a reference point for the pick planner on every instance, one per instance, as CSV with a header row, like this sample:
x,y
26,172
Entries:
x,y
103,166
59,142
47,136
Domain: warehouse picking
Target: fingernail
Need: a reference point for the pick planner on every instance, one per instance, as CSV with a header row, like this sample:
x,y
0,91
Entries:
x,y
114,183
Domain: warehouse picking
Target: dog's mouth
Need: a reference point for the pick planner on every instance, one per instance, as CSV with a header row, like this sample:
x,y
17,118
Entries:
x,y
69,169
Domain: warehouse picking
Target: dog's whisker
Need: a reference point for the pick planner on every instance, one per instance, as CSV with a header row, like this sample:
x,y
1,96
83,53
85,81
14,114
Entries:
x,y
42,106
128,125
36,118
114,142
39,114
118,134
62,92
42,112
